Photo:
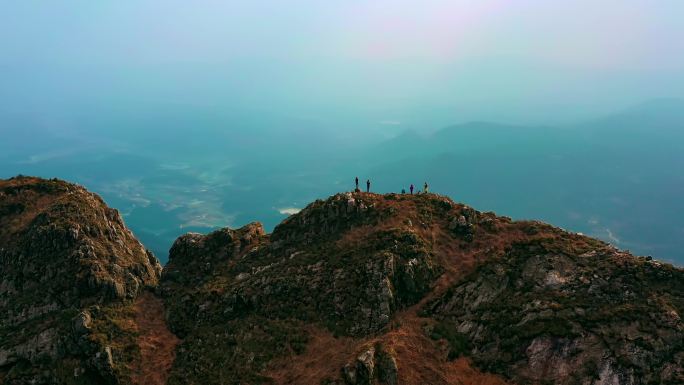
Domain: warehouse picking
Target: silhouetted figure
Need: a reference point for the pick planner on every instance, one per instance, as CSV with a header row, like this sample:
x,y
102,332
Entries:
x,y
403,191
368,185
425,187
411,188
357,182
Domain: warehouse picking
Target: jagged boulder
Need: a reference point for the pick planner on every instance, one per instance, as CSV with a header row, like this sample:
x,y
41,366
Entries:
x,y
328,218
373,365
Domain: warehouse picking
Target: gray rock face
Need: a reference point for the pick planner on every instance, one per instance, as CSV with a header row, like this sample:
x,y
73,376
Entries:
x,y
597,317
82,322
388,373
372,366
325,218
104,361
463,224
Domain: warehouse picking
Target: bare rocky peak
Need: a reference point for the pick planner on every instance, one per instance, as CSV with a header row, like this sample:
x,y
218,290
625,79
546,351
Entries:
x,y
62,251
502,301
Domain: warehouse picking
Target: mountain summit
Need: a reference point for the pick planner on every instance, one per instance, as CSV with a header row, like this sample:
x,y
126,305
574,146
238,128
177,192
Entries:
x,y
359,288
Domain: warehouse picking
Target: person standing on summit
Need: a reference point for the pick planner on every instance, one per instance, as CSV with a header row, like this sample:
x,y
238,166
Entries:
x,y
425,188
411,188
368,185
357,183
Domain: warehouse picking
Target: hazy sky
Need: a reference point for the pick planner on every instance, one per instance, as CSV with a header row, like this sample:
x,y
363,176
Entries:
x,y
382,62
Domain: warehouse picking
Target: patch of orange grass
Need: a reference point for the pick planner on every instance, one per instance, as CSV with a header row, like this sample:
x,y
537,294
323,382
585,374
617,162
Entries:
x,y
324,358
14,224
461,371
157,343
421,360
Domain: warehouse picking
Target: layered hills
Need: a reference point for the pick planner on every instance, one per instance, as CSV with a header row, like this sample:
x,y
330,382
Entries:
x,y
358,288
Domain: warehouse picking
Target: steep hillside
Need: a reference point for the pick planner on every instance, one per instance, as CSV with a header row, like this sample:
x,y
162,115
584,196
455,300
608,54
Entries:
x,y
357,289
366,288
69,272
551,310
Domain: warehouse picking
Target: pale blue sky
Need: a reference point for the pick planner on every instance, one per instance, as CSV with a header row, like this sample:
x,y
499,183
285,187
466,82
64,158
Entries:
x,y
384,62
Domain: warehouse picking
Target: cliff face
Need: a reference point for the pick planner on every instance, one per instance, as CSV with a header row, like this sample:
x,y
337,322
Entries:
x,y
565,311
355,289
66,261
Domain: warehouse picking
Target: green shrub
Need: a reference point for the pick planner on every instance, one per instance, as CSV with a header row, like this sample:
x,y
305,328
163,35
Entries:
x,y
459,343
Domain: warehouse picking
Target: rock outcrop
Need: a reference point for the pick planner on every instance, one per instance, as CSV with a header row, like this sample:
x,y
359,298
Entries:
x,y
65,260
302,273
571,311
373,365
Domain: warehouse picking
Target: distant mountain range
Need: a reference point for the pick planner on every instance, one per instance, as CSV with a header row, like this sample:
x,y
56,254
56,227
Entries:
x,y
617,178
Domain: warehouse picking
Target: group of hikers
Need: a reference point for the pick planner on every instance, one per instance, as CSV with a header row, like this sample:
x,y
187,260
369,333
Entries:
x,y
403,191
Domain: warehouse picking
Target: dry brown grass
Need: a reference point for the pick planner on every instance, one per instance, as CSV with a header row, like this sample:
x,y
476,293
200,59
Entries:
x,y
324,357
420,360
157,343
34,203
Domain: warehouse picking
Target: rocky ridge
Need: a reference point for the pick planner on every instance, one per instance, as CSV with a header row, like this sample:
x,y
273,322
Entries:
x,y
67,262
382,289
525,301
